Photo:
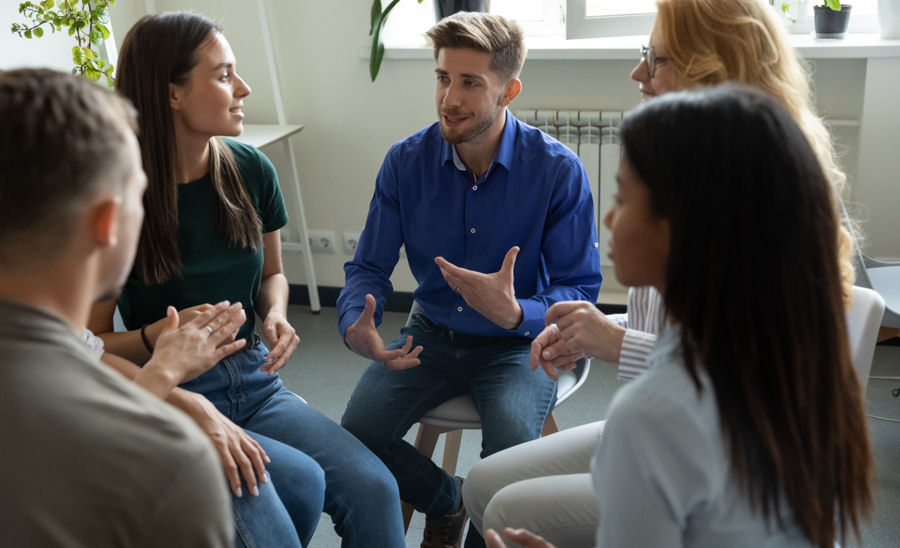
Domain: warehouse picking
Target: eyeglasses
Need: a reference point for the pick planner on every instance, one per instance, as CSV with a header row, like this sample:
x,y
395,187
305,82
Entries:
x,y
649,54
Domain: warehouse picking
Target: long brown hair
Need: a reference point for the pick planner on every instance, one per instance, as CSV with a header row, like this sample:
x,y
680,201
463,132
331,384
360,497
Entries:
x,y
159,50
712,41
754,281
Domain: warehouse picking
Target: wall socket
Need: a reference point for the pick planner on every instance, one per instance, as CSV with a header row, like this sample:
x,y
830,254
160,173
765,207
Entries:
x,y
351,241
321,241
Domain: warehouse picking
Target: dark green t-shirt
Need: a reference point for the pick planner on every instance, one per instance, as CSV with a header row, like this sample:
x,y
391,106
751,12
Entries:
x,y
213,269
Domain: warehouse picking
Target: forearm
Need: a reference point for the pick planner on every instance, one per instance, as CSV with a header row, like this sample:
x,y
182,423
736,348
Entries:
x,y
129,344
178,397
273,295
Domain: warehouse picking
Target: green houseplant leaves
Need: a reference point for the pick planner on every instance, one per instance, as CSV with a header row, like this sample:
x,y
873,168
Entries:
x,y
378,19
86,20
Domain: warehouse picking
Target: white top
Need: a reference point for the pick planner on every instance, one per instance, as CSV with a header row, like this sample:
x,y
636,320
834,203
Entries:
x,y
645,319
661,471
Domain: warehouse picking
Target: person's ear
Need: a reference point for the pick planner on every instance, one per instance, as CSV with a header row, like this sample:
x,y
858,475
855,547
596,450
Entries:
x,y
513,88
103,221
176,94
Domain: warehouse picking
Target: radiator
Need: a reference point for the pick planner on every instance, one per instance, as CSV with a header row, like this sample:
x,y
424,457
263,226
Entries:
x,y
594,136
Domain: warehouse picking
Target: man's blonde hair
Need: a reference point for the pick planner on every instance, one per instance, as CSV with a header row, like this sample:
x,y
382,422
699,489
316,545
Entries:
x,y
500,37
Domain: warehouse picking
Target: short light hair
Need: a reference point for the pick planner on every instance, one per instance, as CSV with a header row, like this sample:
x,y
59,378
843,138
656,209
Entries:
x,y
63,142
493,34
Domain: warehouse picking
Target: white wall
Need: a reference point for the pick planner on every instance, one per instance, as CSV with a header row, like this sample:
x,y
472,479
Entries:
x,y
350,121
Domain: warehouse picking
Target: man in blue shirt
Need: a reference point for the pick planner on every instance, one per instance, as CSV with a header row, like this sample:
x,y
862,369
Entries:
x,y
498,223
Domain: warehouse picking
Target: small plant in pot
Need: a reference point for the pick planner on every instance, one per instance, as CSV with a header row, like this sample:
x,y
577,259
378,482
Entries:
x,y
831,19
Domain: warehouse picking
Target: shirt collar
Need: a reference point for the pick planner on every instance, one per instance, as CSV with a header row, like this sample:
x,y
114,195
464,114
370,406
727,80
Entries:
x,y
504,154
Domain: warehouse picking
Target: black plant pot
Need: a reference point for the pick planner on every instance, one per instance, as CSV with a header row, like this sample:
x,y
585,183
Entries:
x,y
443,8
830,23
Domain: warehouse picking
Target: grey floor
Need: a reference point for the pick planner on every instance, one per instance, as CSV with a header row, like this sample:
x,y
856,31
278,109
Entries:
x,y
324,372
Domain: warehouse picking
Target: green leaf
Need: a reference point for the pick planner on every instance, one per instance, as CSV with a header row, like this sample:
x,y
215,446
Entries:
x,y
376,16
96,37
27,34
377,53
89,53
38,32
835,5
77,55
103,31
92,74
48,4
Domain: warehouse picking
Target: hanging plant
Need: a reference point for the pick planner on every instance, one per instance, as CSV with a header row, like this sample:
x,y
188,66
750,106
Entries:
x,y
86,20
379,18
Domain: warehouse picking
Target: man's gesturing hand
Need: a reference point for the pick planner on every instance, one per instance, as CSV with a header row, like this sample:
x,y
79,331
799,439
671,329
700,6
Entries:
x,y
491,295
362,338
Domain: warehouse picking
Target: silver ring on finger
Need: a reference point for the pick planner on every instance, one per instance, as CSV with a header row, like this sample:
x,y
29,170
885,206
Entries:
x,y
456,289
208,328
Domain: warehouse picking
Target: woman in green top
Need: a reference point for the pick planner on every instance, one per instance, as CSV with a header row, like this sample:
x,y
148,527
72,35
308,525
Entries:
x,y
211,234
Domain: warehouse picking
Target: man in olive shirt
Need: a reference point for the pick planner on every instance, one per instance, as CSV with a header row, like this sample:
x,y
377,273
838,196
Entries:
x,y
87,458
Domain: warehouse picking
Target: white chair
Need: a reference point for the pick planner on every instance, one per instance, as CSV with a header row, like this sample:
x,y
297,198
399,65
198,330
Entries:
x,y
863,321
882,276
458,414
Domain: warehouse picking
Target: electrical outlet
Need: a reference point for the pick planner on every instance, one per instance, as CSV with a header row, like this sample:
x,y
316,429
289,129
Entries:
x,y
351,240
321,241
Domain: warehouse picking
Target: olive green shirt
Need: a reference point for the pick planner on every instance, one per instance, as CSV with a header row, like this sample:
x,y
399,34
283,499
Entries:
x,y
213,269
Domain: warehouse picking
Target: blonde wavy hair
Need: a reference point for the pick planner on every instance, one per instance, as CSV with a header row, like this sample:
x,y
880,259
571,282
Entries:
x,y
708,42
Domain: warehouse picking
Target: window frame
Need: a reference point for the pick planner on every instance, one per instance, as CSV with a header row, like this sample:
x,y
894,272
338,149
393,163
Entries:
x,y
579,25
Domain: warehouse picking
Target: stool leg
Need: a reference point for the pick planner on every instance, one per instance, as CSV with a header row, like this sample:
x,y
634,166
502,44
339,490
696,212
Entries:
x,y
550,426
451,451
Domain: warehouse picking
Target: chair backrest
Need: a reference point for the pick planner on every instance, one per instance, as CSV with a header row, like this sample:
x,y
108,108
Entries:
x,y
862,275
863,321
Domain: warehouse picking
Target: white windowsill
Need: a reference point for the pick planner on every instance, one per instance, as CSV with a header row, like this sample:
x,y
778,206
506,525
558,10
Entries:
x,y
854,46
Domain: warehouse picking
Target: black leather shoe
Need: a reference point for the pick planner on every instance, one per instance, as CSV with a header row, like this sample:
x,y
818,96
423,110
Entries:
x,y
445,531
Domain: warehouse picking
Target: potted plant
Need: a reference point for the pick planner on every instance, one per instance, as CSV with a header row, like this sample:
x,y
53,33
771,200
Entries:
x,y
86,20
379,15
831,19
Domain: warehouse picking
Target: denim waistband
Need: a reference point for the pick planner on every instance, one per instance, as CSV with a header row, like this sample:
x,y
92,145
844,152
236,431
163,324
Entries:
x,y
466,339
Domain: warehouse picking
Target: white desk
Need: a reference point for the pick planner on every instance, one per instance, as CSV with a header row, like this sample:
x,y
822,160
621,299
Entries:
x,y
261,135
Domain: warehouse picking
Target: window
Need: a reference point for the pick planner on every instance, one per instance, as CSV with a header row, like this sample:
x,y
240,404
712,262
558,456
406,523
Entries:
x,y
409,20
596,18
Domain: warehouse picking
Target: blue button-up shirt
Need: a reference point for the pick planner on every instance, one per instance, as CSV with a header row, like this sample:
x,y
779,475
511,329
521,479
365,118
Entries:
x,y
535,195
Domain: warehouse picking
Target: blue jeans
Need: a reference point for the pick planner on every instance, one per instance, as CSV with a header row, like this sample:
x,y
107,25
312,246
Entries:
x,y
512,400
315,463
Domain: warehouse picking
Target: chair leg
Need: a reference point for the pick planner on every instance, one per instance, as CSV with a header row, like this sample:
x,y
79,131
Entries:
x,y
550,426
451,451
426,440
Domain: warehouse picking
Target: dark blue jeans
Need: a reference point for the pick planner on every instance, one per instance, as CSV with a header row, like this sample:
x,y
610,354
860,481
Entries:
x,y
315,463
513,402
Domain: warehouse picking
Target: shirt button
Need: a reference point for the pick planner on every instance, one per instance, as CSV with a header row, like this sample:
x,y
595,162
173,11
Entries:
x,y
527,333
474,187
459,309
472,230
596,244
